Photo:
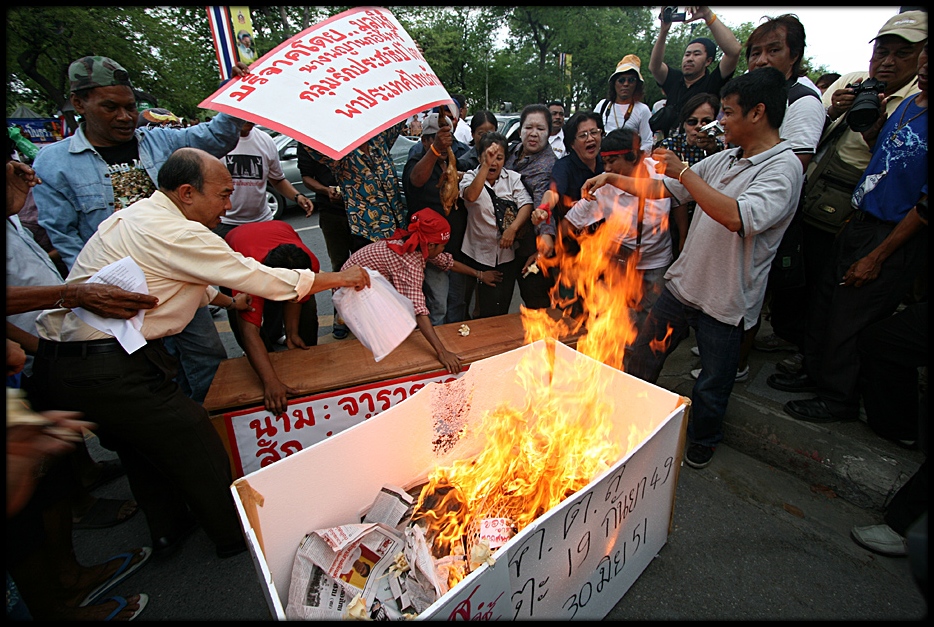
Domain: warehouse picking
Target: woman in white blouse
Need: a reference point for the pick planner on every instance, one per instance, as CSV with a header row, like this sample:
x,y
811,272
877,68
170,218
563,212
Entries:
x,y
487,245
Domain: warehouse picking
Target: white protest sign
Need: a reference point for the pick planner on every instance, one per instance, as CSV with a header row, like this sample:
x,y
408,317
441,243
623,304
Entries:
x,y
336,84
258,438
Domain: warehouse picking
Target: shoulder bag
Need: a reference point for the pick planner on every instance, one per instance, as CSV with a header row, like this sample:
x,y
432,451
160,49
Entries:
x,y
506,212
826,197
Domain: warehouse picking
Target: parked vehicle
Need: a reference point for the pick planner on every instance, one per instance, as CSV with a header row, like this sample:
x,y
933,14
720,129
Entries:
x,y
508,125
288,157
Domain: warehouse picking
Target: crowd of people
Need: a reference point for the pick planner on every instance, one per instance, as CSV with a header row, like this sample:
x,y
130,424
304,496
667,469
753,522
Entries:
x,y
736,198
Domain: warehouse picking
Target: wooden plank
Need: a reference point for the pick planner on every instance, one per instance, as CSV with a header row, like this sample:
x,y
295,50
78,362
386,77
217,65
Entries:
x,y
347,363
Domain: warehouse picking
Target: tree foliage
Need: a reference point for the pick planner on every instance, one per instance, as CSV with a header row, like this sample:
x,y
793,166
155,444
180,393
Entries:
x,y
490,54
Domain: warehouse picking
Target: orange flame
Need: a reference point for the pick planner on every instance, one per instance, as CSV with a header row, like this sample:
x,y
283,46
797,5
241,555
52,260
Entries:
x,y
537,455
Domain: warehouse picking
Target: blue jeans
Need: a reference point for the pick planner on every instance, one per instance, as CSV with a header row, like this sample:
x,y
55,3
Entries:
x,y
199,351
436,293
719,348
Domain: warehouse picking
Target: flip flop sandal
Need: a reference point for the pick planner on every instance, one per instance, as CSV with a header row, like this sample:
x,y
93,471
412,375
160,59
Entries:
x,y
126,569
122,603
112,469
104,513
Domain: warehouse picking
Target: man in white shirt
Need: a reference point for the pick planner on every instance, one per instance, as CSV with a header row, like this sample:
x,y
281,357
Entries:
x,y
556,138
462,132
252,163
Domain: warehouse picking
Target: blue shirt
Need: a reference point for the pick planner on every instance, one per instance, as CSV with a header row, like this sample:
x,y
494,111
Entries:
x,y
897,174
569,175
76,193
27,264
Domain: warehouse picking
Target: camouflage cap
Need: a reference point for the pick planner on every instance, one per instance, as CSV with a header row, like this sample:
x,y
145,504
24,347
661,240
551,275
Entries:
x,y
89,72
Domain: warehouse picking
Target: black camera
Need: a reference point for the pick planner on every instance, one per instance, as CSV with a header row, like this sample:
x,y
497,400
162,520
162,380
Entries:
x,y
865,109
670,14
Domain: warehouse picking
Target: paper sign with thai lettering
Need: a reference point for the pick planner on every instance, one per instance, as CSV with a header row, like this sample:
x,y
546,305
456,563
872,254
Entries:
x,y
257,438
337,83
578,560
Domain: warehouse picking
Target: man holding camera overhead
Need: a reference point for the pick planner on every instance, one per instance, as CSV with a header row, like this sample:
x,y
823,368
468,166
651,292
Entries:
x,y
694,77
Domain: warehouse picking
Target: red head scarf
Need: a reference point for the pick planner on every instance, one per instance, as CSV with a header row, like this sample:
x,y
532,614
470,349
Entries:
x,y
427,226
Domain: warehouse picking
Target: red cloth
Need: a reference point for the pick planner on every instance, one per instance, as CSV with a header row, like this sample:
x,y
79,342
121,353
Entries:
x,y
426,227
255,240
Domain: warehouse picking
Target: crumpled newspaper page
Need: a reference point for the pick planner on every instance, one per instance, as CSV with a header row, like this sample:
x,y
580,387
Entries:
x,y
128,275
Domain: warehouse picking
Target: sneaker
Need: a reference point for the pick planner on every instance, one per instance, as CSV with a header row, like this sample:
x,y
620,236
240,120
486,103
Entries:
x,y
698,455
791,365
741,375
340,331
880,539
771,343
695,351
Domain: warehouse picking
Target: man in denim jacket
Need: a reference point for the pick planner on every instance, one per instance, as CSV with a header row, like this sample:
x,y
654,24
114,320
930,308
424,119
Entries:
x,y
107,165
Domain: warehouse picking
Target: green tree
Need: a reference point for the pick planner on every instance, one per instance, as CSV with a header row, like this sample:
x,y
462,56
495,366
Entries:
x,y
167,51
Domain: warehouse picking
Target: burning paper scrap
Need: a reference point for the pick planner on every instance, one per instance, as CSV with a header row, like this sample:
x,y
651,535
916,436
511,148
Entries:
x,y
533,269
464,330
356,610
480,554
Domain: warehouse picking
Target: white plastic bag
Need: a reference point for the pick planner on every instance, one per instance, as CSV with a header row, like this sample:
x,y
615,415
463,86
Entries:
x,y
379,316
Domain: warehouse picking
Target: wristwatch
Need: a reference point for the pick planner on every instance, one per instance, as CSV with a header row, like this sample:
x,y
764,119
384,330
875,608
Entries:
x,y
296,197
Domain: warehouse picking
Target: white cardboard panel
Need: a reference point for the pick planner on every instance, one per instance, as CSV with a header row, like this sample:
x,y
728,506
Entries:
x,y
333,482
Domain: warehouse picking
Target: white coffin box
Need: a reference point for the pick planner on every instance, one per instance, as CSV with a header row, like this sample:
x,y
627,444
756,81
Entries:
x,y
574,562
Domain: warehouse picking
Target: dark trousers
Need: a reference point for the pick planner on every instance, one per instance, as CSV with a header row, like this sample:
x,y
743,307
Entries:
x,y
336,232
838,314
495,301
534,288
890,353
788,308
174,458
457,283
719,349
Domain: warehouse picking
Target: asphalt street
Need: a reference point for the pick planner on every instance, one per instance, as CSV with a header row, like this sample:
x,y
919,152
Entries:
x,y
749,541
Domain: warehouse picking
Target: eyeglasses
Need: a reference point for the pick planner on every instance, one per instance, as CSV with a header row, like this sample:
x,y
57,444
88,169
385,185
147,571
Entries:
x,y
627,79
695,121
595,133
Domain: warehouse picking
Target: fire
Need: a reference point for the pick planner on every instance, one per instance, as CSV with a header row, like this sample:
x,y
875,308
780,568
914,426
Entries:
x,y
537,455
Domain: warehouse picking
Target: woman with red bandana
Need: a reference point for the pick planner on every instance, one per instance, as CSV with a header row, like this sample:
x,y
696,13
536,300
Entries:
x,y
401,260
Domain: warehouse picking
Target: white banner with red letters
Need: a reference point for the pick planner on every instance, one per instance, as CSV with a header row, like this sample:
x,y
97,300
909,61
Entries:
x,y
336,84
257,438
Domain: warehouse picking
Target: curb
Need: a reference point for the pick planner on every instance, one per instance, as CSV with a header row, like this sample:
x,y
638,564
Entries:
x,y
844,459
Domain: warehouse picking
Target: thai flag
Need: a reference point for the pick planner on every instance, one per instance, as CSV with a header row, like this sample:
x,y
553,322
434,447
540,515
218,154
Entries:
x,y
224,45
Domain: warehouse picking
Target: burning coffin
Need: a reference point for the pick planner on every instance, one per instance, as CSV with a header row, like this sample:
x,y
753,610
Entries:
x,y
587,459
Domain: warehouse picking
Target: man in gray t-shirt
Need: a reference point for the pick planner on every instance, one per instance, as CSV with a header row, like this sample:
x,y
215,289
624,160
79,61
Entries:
x,y
746,197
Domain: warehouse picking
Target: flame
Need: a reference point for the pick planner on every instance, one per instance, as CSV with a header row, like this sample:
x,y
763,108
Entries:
x,y
537,455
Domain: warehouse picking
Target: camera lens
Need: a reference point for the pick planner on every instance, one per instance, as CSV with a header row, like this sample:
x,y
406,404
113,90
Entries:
x,y
864,112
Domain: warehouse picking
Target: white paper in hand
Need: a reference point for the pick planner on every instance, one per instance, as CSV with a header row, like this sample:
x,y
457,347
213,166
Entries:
x,y
379,316
125,274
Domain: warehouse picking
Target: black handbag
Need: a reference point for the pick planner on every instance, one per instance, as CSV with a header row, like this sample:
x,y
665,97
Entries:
x,y
506,212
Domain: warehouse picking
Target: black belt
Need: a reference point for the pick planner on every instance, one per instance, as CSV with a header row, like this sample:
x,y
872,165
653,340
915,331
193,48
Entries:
x,y
862,216
51,350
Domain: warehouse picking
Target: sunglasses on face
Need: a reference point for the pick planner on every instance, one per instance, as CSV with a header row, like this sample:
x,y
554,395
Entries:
x,y
622,80
695,121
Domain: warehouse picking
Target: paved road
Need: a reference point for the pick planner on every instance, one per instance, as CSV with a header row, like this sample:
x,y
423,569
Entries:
x,y
749,541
